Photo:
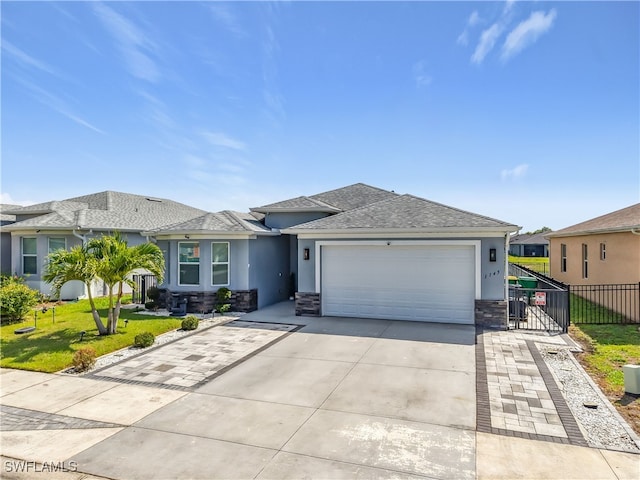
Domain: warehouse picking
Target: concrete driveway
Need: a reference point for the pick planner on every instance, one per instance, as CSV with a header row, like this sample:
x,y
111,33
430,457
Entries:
x,y
340,398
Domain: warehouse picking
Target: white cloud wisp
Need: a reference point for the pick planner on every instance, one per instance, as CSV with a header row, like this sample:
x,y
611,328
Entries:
x,y
527,32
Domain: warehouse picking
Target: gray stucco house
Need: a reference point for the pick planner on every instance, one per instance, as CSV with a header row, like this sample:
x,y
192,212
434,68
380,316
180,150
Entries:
x,y
36,230
356,251
529,245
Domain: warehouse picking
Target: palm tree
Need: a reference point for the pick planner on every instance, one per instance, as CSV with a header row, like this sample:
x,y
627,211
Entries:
x,y
76,264
116,261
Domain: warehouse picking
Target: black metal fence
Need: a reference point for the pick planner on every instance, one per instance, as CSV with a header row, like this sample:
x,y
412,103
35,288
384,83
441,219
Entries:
x,y
142,284
611,303
544,309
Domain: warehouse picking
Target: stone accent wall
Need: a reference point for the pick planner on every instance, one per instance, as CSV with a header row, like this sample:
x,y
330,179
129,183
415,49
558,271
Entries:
x,y
198,302
244,300
307,304
491,314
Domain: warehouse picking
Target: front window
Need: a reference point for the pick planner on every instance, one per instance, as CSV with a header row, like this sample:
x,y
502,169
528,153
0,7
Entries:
x,y
220,263
189,263
29,256
585,261
57,243
563,257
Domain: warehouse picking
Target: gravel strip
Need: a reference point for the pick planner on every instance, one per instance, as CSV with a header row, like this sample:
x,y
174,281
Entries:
x,y
603,427
119,355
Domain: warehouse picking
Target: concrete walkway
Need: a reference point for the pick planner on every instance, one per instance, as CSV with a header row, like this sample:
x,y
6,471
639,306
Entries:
x,y
339,398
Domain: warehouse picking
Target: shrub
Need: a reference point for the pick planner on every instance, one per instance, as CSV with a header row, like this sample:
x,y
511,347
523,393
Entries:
x,y
144,339
190,322
223,296
151,305
16,299
84,359
153,293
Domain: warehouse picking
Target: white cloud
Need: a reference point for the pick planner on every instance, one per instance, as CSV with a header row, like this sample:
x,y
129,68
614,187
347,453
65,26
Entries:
x,y
527,32
421,77
26,59
222,13
487,41
474,19
6,198
220,139
514,173
132,42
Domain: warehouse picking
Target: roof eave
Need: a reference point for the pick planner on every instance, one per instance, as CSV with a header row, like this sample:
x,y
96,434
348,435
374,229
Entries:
x,y
502,230
592,231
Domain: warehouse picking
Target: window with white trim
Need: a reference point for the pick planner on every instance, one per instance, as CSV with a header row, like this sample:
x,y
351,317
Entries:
x,y
29,255
220,263
57,243
585,261
189,263
563,257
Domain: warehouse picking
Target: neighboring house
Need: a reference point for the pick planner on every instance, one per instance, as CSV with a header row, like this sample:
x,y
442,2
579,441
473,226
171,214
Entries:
x,y
529,245
5,238
356,251
45,227
603,250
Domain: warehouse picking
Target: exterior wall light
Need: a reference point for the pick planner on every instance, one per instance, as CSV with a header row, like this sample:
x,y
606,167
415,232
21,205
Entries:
x,y
305,254
492,254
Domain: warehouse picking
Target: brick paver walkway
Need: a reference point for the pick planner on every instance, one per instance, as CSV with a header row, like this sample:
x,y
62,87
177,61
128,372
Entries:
x,y
190,361
15,419
517,394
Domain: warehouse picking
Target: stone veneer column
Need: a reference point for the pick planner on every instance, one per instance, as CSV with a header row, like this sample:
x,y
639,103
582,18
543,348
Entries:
x,y
307,304
492,314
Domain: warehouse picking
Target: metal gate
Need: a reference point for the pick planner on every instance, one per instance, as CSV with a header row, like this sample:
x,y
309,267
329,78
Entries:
x,y
539,309
142,284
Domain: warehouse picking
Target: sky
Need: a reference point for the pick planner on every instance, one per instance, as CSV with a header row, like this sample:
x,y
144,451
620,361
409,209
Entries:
x,y
528,112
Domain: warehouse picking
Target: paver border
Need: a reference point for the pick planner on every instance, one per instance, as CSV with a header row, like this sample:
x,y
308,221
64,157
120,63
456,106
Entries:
x,y
195,386
483,402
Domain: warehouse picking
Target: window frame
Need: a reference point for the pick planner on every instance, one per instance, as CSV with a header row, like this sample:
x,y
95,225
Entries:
x,y
30,255
64,239
180,263
227,263
585,261
603,251
563,257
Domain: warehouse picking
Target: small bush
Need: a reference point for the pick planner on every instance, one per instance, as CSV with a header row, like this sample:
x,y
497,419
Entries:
x,y
144,339
153,293
190,322
16,299
223,295
84,359
151,305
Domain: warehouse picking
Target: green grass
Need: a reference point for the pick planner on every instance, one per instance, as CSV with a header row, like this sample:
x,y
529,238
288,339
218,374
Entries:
x,y
585,311
537,264
51,346
611,347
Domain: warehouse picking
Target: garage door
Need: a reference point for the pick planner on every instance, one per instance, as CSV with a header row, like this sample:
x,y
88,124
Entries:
x,y
422,283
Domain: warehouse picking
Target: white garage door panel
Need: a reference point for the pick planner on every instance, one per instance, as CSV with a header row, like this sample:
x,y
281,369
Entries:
x,y
417,282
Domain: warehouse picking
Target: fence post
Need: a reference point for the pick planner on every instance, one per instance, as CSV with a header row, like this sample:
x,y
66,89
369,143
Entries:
x,y
568,306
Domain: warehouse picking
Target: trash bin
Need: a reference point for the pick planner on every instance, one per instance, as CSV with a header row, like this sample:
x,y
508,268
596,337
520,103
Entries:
x,y
513,280
528,282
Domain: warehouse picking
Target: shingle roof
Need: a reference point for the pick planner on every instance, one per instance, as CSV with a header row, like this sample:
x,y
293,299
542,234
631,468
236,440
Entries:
x,y
333,201
621,220
7,217
404,212
226,221
529,239
105,211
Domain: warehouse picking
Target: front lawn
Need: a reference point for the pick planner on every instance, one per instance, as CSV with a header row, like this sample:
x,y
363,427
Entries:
x,y
606,349
51,346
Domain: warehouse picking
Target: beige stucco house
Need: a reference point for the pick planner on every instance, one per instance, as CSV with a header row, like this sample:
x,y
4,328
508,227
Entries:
x,y
601,251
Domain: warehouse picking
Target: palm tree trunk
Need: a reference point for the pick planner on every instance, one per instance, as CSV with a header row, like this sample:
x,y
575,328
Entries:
x,y
111,324
118,303
102,330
